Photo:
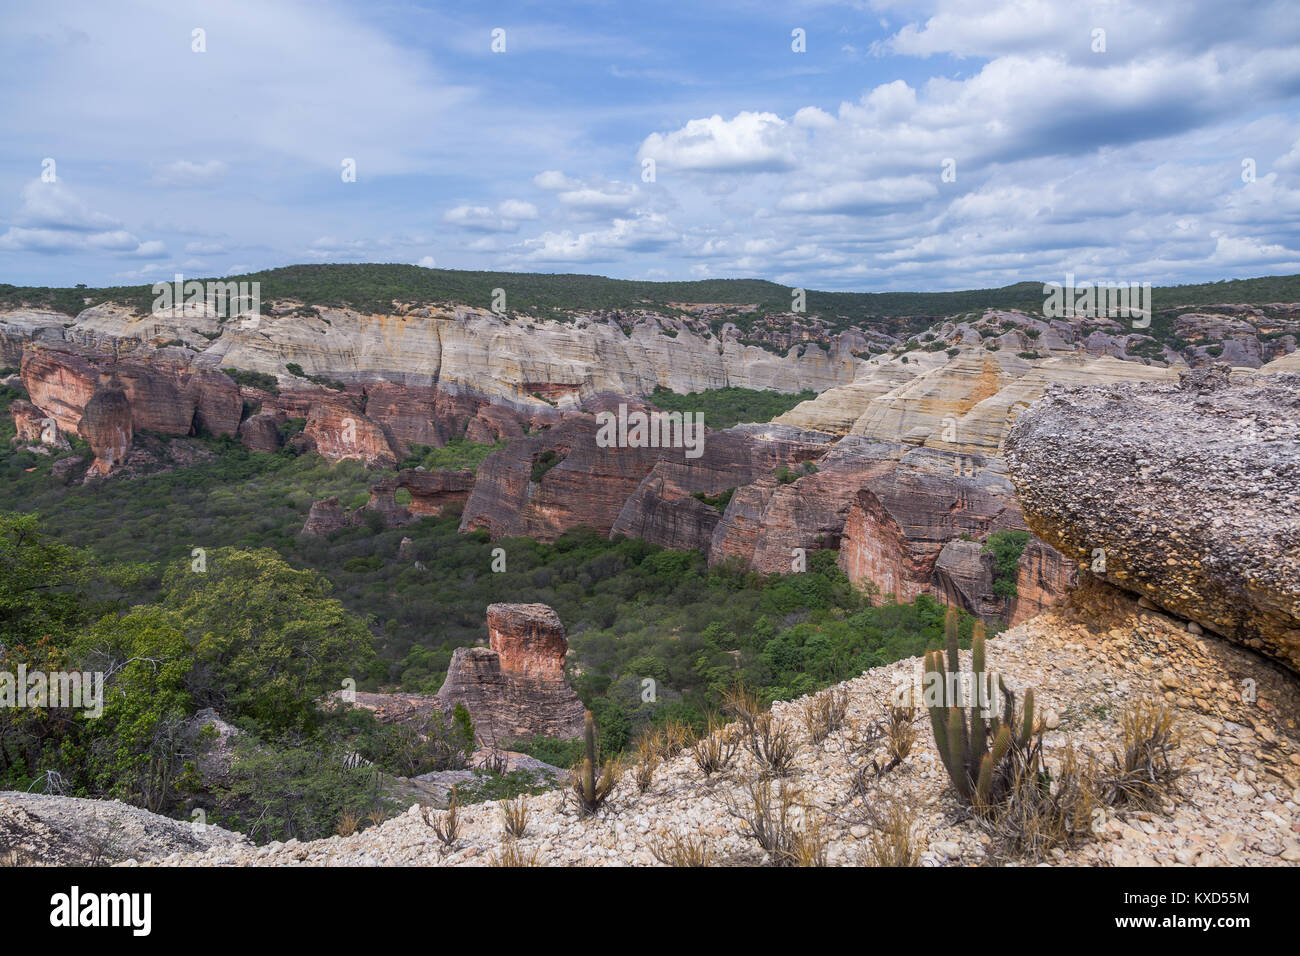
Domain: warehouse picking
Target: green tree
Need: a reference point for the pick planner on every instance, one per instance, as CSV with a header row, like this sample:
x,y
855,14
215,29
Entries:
x,y
269,640
134,750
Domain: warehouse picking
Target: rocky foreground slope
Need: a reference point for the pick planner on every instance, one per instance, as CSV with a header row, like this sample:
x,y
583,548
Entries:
x,y
1238,716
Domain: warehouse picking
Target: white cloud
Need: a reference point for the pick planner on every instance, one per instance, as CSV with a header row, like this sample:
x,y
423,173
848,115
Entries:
x,y
505,217
53,206
749,142
52,220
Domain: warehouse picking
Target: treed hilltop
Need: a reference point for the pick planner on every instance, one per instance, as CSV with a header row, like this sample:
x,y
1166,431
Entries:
x,y
1149,477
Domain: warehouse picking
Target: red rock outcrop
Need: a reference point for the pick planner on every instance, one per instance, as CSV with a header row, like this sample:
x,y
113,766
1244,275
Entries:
x,y
339,431
765,528
34,427
516,687
580,483
1045,577
261,432
327,516
60,383
106,425
664,510
430,492
900,522
165,394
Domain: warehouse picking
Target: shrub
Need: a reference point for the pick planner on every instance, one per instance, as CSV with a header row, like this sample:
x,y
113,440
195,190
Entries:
x,y
544,463
1006,548
290,790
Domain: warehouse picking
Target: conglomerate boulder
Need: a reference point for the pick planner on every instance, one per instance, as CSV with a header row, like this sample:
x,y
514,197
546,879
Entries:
x,y
1187,494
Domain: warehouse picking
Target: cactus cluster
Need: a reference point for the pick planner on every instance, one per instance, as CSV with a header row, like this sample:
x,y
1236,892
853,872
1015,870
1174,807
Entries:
x,y
592,789
974,748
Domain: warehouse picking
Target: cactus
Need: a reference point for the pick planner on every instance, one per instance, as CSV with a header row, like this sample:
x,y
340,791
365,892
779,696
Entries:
x,y
591,789
976,767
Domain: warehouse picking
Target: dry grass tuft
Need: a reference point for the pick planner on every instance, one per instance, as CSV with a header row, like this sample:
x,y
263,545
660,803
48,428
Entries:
x,y
767,814
1041,810
715,751
773,745
893,840
1144,773
677,850
673,737
514,816
446,826
825,714
648,748
349,823
900,733
511,854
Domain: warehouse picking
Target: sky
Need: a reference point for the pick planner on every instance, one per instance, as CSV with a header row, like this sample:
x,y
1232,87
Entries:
x,y
871,145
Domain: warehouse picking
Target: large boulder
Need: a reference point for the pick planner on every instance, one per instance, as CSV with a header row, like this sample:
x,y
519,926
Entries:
x,y
1187,494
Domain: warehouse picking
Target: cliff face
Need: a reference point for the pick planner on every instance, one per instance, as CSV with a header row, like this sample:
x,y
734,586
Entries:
x,y
468,349
165,393
1186,494
516,687
106,425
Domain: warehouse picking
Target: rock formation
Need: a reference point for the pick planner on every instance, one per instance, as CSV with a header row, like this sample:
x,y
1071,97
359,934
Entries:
x,y
516,688
430,492
327,516
339,432
106,425
261,432
1188,495
164,394
34,428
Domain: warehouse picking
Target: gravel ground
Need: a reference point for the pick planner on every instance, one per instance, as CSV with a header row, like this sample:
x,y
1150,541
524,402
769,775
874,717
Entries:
x,y
42,830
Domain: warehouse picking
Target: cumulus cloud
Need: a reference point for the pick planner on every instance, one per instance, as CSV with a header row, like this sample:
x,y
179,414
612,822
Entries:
x,y
748,142
641,234
504,217
52,220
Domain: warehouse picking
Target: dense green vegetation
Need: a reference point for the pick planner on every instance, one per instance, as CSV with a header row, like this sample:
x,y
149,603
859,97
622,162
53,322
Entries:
x,y
272,620
456,454
236,630
724,407
1006,548
267,383
375,287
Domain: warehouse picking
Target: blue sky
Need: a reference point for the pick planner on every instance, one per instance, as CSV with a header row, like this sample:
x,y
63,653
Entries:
x,y
820,169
